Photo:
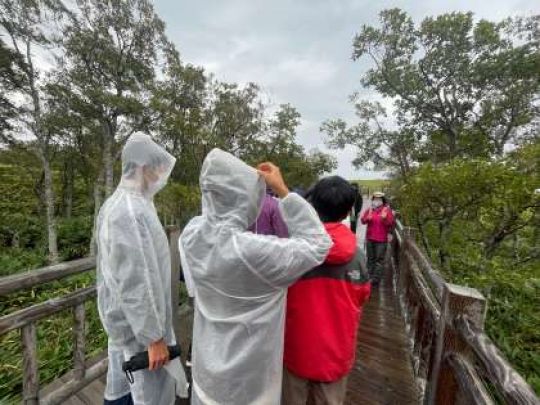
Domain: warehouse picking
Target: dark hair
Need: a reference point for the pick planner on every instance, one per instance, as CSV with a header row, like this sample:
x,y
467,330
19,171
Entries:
x,y
332,198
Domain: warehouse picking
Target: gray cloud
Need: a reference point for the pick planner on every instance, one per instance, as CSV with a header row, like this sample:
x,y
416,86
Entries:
x,y
299,51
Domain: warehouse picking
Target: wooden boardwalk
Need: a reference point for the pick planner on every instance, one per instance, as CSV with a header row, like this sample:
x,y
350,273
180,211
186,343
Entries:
x,y
383,372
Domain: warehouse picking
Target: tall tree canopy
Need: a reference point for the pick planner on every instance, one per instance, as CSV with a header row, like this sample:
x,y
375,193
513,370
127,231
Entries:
x,y
460,88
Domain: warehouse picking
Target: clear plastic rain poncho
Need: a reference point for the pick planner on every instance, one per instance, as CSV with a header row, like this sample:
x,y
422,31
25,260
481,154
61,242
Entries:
x,y
134,275
239,281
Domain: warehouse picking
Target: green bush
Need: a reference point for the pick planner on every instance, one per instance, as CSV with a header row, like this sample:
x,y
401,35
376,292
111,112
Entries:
x,y
74,235
16,260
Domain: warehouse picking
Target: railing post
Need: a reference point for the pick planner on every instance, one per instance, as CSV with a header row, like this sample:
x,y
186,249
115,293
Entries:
x,y
457,301
410,232
173,233
79,341
30,365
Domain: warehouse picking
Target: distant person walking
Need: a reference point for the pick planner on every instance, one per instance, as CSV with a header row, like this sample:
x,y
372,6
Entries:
x,y
357,207
379,220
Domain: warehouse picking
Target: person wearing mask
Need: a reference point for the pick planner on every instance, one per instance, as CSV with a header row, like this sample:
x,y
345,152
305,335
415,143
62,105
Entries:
x,y
134,280
379,220
324,307
239,280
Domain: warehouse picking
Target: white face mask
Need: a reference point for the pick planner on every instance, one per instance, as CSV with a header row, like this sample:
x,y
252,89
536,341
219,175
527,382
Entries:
x,y
376,203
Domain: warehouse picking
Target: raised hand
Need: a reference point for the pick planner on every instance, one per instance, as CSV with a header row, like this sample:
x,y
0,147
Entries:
x,y
272,176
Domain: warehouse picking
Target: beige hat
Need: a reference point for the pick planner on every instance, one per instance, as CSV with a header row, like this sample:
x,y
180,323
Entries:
x,y
378,194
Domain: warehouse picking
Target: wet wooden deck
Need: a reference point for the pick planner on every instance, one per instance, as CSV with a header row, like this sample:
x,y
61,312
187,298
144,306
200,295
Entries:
x,y
383,372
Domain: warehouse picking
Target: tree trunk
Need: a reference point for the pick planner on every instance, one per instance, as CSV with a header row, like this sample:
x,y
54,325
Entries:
x,y
49,208
67,188
423,237
108,161
443,254
98,186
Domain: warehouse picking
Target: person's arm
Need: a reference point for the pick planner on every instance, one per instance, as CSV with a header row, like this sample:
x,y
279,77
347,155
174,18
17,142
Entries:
x,y
387,216
139,286
366,216
280,262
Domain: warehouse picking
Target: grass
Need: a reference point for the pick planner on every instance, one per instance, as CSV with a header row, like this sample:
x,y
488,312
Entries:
x,y
372,185
55,336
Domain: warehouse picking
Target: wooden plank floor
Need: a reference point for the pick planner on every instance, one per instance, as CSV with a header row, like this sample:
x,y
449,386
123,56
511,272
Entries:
x,y
383,372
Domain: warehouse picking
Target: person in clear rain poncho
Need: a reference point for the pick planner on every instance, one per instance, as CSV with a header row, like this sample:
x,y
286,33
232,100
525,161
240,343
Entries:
x,y
240,279
134,278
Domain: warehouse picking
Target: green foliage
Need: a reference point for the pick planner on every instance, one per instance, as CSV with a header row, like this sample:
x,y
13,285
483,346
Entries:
x,y
74,236
16,260
10,80
372,185
55,336
479,220
178,203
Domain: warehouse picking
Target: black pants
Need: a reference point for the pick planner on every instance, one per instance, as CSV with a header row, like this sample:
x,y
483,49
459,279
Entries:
x,y
125,400
353,226
376,252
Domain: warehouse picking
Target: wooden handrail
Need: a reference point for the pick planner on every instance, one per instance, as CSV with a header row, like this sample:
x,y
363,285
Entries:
x,y
495,367
452,356
34,313
433,277
470,385
33,278
25,319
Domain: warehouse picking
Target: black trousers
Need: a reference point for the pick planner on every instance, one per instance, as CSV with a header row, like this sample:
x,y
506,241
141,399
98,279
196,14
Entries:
x,y
125,400
376,251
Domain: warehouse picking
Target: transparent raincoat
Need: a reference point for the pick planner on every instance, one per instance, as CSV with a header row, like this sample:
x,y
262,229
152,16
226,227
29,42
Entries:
x,y
239,281
134,275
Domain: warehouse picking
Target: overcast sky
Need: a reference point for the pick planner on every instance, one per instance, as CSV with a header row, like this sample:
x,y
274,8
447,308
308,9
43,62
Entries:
x,y
299,51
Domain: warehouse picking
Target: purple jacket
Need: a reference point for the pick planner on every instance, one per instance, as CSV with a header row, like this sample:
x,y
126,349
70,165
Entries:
x,y
270,221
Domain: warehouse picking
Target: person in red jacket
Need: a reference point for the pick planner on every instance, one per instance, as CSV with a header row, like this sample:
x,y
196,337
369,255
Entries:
x,y
379,220
324,307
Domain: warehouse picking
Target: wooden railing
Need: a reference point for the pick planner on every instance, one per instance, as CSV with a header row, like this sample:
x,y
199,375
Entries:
x,y
83,372
454,361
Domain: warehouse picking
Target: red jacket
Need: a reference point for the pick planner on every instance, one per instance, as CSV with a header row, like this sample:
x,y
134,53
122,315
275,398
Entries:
x,y
377,227
323,311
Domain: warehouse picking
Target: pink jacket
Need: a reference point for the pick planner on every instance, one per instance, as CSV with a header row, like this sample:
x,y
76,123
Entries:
x,y
377,227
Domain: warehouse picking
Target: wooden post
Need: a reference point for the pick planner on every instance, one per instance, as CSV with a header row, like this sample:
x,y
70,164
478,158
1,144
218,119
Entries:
x,y
410,232
457,301
174,234
79,340
30,366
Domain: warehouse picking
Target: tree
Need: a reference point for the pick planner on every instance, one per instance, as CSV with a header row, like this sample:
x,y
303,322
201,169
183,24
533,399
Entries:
x,y
10,81
111,49
393,149
460,88
471,210
179,115
27,25
278,144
